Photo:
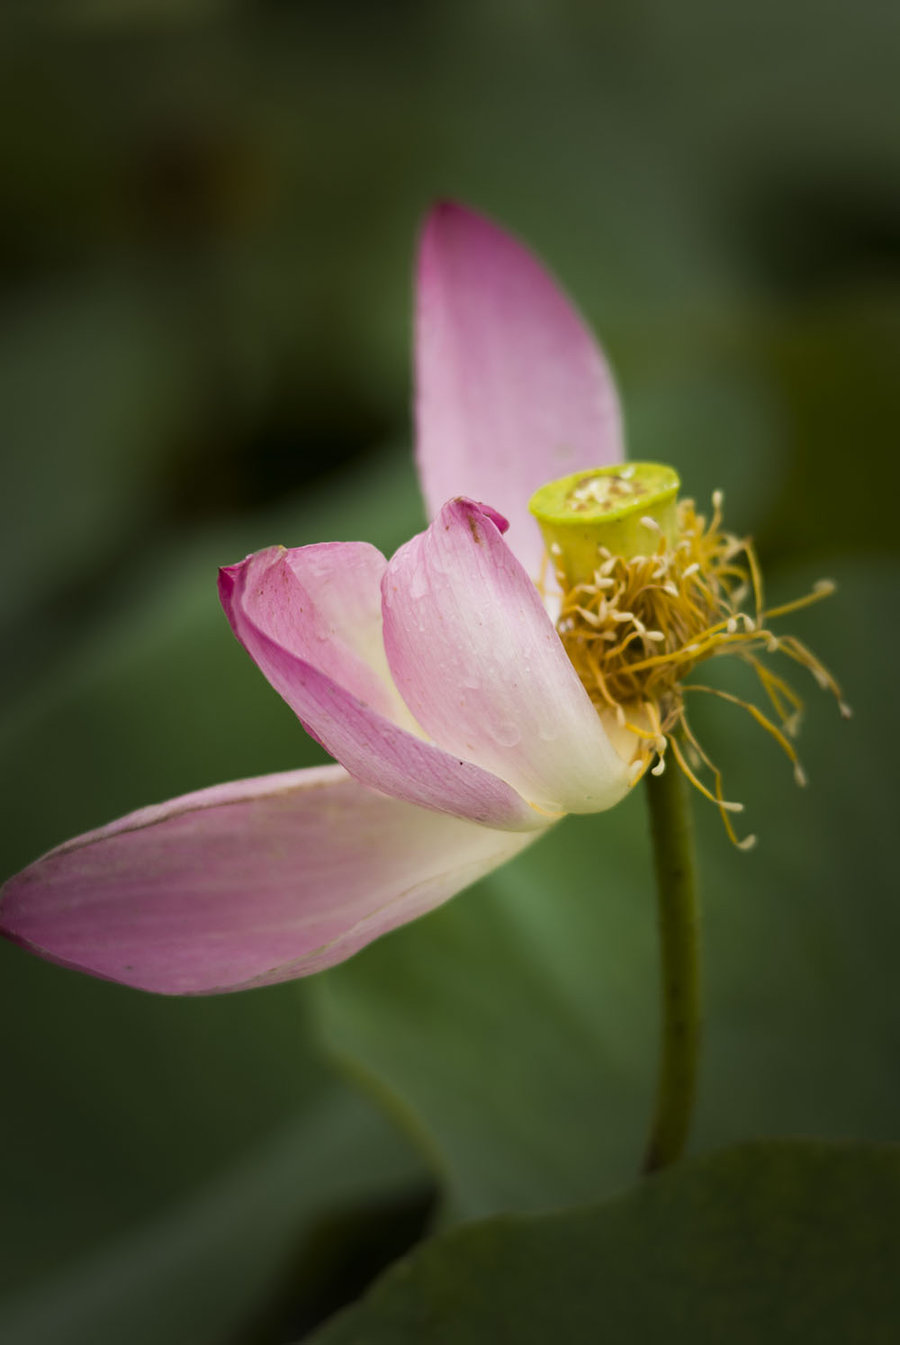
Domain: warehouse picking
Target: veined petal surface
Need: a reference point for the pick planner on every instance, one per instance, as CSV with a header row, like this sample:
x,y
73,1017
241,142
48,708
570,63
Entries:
x,y
344,702
512,390
479,662
245,884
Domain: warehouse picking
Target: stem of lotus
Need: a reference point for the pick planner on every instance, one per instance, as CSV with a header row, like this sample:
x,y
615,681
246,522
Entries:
x,y
679,930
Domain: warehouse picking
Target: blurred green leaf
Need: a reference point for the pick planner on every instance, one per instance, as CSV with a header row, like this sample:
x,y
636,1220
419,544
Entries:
x,y
516,1023
217,1257
770,1242
119,1103
826,365
90,388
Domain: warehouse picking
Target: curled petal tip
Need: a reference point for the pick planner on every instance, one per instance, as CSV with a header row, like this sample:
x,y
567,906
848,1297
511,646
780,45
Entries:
x,y
470,507
227,577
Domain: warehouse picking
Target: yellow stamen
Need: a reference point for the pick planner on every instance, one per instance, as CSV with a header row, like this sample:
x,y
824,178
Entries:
x,y
635,626
720,803
823,588
748,841
765,723
777,689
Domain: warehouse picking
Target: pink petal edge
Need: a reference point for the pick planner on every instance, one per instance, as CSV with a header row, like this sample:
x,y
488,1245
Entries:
x,y
245,884
512,389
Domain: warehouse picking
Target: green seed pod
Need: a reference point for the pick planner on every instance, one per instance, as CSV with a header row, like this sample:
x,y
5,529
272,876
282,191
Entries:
x,y
623,509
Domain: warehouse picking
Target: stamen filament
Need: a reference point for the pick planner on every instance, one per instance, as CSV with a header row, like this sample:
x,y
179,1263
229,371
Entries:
x,y
636,632
823,589
786,746
748,841
698,784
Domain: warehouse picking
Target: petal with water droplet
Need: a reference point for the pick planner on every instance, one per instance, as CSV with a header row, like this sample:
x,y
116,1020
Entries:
x,y
463,676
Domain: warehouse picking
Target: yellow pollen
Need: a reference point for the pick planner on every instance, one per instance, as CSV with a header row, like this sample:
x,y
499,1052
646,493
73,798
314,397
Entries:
x,y
637,627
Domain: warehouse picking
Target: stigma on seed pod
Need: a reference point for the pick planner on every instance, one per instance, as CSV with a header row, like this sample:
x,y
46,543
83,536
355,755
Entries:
x,y
623,510
650,588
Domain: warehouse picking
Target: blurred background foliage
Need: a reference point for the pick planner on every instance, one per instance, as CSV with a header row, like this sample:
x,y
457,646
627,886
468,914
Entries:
x,y
207,215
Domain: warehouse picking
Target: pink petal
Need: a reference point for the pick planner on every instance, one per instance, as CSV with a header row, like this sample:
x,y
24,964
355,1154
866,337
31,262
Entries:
x,y
308,652
323,604
511,388
245,884
479,663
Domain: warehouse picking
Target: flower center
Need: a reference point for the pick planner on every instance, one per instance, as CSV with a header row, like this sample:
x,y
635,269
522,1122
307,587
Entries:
x,y
650,589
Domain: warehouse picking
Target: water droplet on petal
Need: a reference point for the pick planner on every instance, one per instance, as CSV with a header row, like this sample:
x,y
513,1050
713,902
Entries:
x,y
506,732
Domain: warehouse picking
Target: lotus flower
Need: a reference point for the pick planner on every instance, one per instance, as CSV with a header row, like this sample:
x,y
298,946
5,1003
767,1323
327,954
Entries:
x,y
436,679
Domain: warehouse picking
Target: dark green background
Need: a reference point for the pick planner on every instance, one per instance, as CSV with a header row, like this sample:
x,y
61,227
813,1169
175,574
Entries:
x,y
207,216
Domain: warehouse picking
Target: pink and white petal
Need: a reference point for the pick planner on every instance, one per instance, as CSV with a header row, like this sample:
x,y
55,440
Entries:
x,y
344,580
370,745
512,389
323,604
478,661
245,884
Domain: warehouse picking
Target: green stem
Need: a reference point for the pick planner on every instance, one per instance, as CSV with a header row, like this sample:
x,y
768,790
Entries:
x,y
679,933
